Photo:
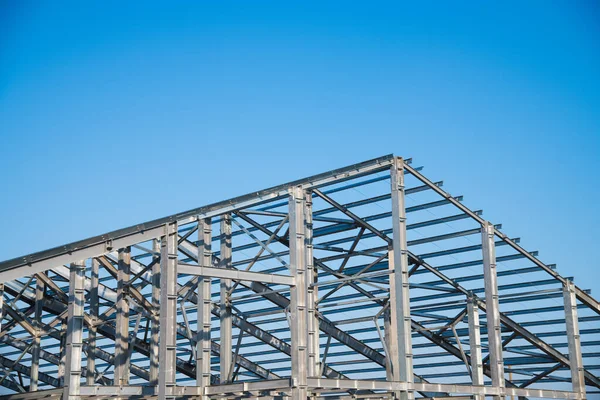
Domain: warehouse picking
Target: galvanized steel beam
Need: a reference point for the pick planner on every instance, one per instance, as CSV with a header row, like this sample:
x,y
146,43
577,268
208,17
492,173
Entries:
x,y
168,313
122,360
225,327
204,306
298,295
574,340
74,337
492,307
400,321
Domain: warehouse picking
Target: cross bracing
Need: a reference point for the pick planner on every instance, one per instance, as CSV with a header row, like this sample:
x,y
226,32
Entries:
x,y
369,281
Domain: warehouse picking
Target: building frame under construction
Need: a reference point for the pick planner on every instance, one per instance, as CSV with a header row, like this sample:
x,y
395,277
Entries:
x,y
364,282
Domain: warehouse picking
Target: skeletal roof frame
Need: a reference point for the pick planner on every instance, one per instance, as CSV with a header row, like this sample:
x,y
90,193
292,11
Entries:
x,y
367,281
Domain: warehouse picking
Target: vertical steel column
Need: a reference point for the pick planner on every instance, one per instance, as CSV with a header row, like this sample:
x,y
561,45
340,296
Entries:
x,y
62,351
389,342
74,337
225,306
1,304
122,325
168,313
92,329
155,322
298,294
402,368
35,351
574,340
475,344
203,348
492,306
314,356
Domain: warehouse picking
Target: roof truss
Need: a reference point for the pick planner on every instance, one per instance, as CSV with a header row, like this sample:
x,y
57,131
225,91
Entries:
x,y
366,281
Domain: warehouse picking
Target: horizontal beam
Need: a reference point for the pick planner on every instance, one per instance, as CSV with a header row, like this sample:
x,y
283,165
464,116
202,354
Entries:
x,y
229,273
136,390
243,387
348,384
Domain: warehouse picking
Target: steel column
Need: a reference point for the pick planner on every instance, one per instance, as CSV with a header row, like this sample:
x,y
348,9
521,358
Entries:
x,y
400,335
35,351
573,339
121,371
63,350
475,343
314,356
168,313
492,306
390,343
203,349
298,294
1,304
154,318
225,306
74,337
92,329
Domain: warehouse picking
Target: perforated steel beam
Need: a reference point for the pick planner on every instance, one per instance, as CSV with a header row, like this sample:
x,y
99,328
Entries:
x,y
400,336
314,355
168,313
122,359
298,294
35,354
226,331
204,306
155,316
74,339
92,329
492,307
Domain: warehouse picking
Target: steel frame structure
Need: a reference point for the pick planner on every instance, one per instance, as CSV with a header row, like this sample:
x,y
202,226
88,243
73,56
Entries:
x,y
368,281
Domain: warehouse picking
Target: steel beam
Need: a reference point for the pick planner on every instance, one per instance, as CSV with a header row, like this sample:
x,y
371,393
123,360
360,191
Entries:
x,y
492,307
574,340
74,336
92,329
155,316
228,274
35,353
314,355
122,360
475,344
204,306
298,294
1,305
400,342
226,331
168,313
337,384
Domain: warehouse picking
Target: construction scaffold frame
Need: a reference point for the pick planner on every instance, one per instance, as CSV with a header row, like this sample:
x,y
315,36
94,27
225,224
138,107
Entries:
x,y
365,282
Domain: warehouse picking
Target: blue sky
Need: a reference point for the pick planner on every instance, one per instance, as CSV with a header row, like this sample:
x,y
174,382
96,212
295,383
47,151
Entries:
x,y
112,114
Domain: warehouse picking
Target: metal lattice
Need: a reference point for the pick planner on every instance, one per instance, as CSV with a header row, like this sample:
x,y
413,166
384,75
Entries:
x,y
368,281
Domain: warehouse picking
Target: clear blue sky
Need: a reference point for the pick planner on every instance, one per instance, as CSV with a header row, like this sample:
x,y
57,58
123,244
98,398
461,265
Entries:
x,y
116,113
